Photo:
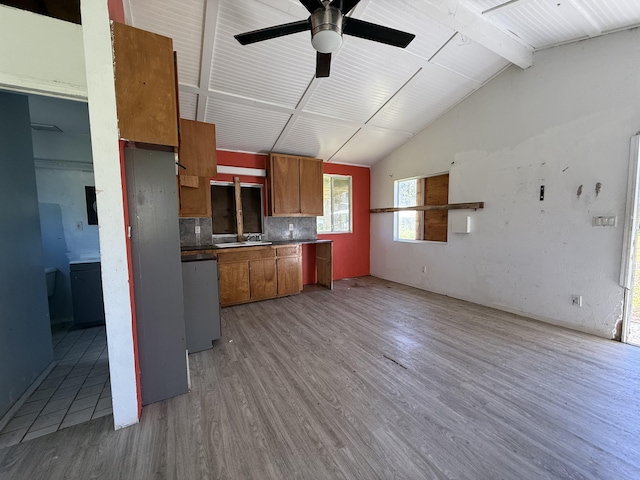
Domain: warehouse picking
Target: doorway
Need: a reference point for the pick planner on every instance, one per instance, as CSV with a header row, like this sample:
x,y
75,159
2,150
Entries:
x,y
630,271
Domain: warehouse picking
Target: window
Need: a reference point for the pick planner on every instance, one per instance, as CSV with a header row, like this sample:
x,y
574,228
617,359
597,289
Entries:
x,y
223,208
430,225
336,194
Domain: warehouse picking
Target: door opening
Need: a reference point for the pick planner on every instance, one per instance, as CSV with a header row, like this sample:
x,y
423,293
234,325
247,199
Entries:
x,y
630,271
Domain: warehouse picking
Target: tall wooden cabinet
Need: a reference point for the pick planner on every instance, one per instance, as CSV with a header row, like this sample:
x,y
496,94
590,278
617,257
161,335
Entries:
x,y
295,186
145,86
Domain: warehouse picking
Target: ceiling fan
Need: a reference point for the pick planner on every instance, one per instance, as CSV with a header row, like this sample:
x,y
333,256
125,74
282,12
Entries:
x,y
327,23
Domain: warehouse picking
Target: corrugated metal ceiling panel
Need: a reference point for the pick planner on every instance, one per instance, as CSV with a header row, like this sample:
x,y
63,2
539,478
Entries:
x,y
469,59
183,22
613,15
428,96
315,136
364,75
245,128
369,146
276,71
484,5
430,35
188,105
541,23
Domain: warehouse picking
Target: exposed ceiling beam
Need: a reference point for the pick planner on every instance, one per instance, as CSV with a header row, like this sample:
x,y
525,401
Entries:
x,y
455,15
208,39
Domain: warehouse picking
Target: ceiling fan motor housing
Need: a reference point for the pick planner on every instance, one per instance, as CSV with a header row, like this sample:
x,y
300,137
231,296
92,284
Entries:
x,y
326,29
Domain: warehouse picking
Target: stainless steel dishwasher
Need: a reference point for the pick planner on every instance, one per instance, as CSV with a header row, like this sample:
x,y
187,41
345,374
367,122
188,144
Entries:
x,y
201,301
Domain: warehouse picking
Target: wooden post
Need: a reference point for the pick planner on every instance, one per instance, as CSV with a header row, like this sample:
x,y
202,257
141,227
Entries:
x,y
239,222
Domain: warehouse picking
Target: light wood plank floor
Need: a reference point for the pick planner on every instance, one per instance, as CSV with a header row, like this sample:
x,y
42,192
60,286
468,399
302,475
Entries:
x,y
373,380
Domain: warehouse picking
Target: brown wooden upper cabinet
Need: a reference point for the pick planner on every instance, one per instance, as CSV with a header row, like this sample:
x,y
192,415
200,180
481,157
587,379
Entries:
x,y
145,86
197,151
295,186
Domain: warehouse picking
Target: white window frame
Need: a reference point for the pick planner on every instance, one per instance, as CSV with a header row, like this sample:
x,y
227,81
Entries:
x,y
350,178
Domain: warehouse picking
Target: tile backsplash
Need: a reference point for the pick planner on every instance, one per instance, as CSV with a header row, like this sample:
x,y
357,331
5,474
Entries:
x,y
188,235
277,228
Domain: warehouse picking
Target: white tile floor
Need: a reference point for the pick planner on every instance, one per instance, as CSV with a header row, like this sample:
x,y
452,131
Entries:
x,y
77,389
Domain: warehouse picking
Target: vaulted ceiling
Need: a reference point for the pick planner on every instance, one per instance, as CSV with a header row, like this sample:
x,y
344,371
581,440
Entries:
x,y
264,97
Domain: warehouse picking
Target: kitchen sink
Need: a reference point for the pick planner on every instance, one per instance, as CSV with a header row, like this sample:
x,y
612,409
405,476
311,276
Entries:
x,y
241,244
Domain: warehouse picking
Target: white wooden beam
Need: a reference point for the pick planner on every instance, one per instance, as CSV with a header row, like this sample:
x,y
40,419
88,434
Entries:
x,y
206,58
455,15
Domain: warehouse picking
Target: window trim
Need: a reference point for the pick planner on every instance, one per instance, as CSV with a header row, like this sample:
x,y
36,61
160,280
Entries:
x,y
350,178
396,225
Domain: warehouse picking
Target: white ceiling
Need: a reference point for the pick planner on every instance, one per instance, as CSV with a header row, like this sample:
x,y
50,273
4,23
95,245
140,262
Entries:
x,y
264,97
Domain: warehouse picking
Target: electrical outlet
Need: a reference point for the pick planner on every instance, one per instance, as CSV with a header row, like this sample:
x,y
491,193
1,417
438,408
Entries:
x,y
576,300
291,227
197,229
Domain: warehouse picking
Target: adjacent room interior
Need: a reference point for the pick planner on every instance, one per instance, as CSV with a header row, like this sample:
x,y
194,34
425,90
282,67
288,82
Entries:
x,y
235,249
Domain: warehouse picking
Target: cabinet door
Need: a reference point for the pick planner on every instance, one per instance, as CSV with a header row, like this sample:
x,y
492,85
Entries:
x,y
324,264
197,150
285,185
311,187
288,275
195,202
262,279
234,283
145,86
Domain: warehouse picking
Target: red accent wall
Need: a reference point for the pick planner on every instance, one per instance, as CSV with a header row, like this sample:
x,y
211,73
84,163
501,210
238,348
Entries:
x,y
134,327
350,250
116,10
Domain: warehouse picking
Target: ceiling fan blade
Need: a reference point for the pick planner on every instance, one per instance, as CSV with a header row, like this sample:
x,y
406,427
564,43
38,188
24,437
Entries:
x,y
311,5
273,32
345,6
377,33
323,64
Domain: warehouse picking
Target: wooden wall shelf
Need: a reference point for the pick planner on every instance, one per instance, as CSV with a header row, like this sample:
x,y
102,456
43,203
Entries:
x,y
422,208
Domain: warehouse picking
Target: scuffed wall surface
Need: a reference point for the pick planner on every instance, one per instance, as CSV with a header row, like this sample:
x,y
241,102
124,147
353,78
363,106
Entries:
x,y
565,122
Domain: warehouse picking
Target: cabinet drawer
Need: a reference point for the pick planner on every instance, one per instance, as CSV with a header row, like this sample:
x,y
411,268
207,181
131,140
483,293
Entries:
x,y
288,251
244,254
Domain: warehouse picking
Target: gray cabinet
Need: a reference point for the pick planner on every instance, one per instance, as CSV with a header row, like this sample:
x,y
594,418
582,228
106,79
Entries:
x,y
86,294
157,274
201,301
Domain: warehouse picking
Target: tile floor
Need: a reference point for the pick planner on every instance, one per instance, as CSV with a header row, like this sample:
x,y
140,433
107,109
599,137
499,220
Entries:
x,y
77,389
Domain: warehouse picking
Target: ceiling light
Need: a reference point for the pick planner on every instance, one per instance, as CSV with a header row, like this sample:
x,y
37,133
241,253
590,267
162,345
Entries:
x,y
326,29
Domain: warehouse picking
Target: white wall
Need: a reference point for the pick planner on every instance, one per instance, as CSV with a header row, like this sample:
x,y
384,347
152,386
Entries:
x,y
66,188
118,301
565,122
41,54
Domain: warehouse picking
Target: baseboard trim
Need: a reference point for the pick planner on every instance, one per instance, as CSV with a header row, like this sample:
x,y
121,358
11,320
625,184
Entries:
x,y
24,397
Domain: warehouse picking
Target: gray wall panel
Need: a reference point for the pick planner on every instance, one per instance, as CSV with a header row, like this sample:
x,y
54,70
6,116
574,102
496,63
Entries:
x,y
157,272
25,332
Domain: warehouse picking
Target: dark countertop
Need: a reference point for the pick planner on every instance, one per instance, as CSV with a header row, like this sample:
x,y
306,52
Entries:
x,y
276,243
198,257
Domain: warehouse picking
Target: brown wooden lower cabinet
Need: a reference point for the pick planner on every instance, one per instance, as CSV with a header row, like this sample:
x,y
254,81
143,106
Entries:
x,y
250,274
262,279
288,279
234,283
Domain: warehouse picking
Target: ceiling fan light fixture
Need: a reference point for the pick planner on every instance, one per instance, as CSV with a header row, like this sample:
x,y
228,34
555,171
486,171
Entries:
x,y
326,29
326,41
